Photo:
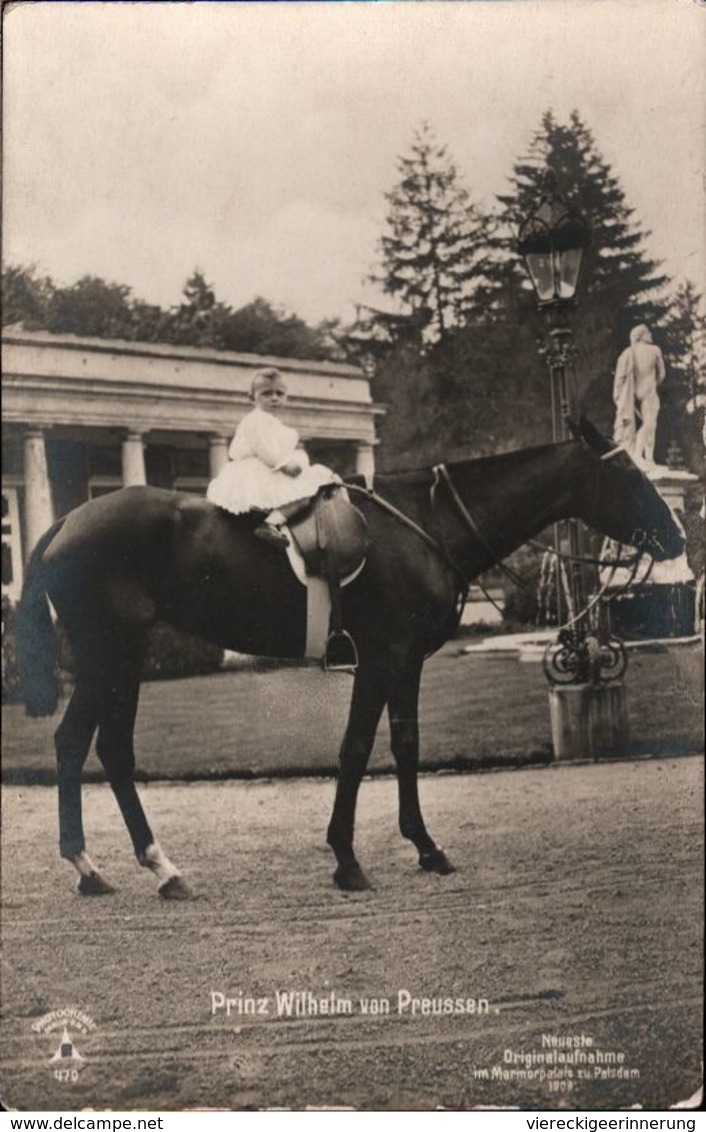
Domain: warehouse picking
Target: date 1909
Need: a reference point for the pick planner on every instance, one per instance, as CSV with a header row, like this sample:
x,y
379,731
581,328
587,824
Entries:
x,y
560,1086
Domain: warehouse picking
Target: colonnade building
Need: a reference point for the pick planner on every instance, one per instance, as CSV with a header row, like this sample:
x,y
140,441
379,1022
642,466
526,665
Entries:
x,y
84,416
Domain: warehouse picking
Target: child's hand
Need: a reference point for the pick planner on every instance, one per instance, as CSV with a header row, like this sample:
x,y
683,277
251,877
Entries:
x,y
291,469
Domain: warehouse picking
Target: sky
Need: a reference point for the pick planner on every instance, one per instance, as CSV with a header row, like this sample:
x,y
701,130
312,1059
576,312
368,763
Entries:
x,y
256,141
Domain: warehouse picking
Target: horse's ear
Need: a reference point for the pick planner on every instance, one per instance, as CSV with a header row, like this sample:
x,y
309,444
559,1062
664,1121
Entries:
x,y
591,436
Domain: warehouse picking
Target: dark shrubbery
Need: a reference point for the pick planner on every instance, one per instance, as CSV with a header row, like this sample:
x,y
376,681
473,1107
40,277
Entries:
x,y
10,675
170,655
522,602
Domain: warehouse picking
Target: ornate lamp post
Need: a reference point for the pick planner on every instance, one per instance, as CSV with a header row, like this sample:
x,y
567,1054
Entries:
x,y
552,241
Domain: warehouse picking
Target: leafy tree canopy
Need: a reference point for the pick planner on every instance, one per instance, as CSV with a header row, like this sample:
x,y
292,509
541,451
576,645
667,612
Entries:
x,y
92,307
483,384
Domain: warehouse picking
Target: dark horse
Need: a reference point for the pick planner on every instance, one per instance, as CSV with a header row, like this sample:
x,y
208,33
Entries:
x,y
117,564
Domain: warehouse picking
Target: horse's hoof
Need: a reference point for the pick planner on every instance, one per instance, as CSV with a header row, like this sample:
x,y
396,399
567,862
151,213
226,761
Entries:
x,y
94,885
351,878
175,888
436,862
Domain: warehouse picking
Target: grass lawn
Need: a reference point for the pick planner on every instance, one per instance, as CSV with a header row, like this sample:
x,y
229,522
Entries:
x,y
476,711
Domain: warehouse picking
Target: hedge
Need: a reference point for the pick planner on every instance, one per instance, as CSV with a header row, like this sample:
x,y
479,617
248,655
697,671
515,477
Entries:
x,y
170,655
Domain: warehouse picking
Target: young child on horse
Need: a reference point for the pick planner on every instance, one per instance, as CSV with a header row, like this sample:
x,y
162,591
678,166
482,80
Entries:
x,y
268,469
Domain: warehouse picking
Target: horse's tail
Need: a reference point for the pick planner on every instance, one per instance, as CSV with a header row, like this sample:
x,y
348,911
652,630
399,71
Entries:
x,y
36,643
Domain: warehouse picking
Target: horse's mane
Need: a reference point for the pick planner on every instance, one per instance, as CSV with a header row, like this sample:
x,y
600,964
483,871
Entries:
x,y
517,456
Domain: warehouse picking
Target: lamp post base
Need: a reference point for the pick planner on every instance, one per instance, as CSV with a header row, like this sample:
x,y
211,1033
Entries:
x,y
589,721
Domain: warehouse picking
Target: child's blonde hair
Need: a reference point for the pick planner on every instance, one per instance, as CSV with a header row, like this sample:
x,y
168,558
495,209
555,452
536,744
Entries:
x,y
263,377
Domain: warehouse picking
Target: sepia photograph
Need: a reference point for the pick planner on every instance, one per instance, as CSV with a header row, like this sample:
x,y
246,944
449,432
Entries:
x,y
353,465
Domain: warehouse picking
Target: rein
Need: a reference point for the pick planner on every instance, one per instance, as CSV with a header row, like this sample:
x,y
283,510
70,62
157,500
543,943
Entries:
x,y
614,562
595,600
400,516
442,476
464,584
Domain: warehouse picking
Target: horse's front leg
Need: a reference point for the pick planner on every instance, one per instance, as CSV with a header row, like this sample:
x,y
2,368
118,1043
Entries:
x,y
403,707
369,697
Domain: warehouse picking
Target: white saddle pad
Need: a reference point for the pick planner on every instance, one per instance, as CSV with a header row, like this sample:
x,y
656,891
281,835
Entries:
x,y
318,600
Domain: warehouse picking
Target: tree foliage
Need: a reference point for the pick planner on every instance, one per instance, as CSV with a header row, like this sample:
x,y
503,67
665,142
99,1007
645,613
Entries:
x,y
434,246
92,307
25,297
684,333
198,319
684,389
621,285
483,385
261,328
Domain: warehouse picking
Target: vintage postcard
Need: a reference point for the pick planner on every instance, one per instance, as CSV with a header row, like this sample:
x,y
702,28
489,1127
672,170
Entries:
x,y
354,376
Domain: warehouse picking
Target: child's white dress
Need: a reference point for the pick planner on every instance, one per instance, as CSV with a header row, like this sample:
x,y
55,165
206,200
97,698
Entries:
x,y
252,479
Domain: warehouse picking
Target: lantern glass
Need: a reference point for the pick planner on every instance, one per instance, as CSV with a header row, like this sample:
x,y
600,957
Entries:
x,y
541,268
569,268
552,241
555,273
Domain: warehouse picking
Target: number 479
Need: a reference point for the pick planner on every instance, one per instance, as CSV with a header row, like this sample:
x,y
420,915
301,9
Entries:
x,y
66,1074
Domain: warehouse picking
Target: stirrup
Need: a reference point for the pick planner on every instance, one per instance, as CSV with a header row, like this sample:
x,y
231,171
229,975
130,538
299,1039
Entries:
x,y
349,660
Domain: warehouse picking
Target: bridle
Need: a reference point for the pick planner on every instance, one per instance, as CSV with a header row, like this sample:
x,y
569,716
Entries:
x,y
640,536
442,479
463,584
442,476
637,540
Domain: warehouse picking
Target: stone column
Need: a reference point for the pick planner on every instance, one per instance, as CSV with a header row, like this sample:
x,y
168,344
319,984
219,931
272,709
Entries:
x,y
133,460
365,461
217,454
39,509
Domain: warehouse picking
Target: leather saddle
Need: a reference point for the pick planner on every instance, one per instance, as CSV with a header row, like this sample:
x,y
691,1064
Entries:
x,y
332,536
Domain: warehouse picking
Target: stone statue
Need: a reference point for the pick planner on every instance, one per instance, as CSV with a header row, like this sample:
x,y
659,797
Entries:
x,y
639,373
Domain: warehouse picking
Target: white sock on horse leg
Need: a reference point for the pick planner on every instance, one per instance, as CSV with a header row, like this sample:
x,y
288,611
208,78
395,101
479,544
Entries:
x,y
83,864
158,863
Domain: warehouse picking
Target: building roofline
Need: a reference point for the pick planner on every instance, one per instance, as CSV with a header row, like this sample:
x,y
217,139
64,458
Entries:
x,y
17,335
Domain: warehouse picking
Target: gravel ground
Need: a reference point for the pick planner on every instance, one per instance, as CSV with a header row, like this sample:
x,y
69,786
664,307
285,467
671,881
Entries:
x,y
575,913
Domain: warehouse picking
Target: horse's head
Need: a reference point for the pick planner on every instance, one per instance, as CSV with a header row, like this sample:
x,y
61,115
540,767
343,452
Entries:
x,y
621,502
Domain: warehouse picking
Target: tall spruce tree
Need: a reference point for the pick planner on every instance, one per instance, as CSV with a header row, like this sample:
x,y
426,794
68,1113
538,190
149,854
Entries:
x,y
433,253
198,320
621,286
684,339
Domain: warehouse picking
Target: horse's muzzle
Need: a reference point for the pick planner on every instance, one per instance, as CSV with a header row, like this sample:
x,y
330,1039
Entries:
x,y
660,548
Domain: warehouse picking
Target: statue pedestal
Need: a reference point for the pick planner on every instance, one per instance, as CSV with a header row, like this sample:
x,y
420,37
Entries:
x,y
671,484
661,602
589,722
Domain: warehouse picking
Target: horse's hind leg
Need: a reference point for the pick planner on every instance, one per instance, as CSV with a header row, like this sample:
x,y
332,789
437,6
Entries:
x,y
404,736
369,695
115,749
73,741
